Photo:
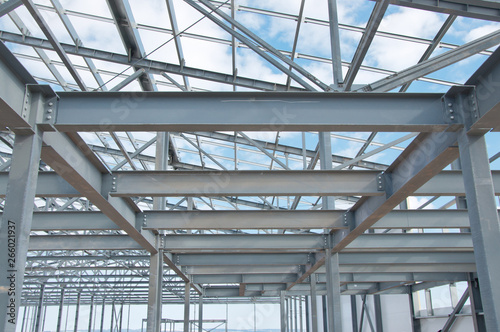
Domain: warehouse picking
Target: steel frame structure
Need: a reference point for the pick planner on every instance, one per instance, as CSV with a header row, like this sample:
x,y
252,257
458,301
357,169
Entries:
x,y
98,208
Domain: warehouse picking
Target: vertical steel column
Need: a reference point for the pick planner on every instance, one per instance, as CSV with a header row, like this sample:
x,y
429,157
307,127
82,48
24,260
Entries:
x,y
16,220
91,312
155,293
295,313
378,313
333,291
112,316
24,318
40,309
59,314
476,303
301,315
121,318
288,316
325,314
314,304
187,291
102,314
308,329
354,313
415,323
484,222
200,313
78,298
283,317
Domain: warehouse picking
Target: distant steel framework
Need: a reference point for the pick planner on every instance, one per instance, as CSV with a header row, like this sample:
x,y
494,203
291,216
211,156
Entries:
x,y
167,195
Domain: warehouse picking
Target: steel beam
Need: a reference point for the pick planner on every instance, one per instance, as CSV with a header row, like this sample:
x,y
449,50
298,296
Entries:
x,y
9,6
190,111
480,9
153,67
446,183
186,306
435,63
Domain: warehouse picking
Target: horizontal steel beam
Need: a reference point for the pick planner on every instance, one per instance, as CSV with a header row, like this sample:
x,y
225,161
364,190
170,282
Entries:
x,y
310,242
481,9
83,242
212,111
248,183
152,66
244,219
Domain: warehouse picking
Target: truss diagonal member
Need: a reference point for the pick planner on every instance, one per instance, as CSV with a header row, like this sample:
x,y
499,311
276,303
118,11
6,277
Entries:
x,y
264,44
9,6
54,42
263,150
434,44
300,20
365,42
433,64
76,39
41,53
177,40
126,25
256,48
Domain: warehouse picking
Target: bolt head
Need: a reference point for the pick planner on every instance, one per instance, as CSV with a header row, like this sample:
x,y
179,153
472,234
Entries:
x,y
452,117
49,117
450,104
451,111
51,103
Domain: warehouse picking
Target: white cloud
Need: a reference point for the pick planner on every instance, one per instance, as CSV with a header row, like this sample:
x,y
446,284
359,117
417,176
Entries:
x,y
481,31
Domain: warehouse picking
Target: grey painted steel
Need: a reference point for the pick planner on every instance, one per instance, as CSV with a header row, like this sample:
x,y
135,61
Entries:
x,y
434,44
16,222
253,40
435,63
334,306
187,290
283,313
155,291
77,311
245,183
365,42
481,9
189,111
453,316
200,313
38,322
485,224
129,34
60,311
91,312
54,42
153,67
378,313
338,78
446,183
325,152
82,174
475,303
354,313
9,6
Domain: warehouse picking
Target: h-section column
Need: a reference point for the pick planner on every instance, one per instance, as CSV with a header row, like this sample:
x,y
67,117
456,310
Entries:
x,y
484,222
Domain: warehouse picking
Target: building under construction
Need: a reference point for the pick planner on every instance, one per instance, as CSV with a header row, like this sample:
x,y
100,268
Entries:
x,y
336,159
